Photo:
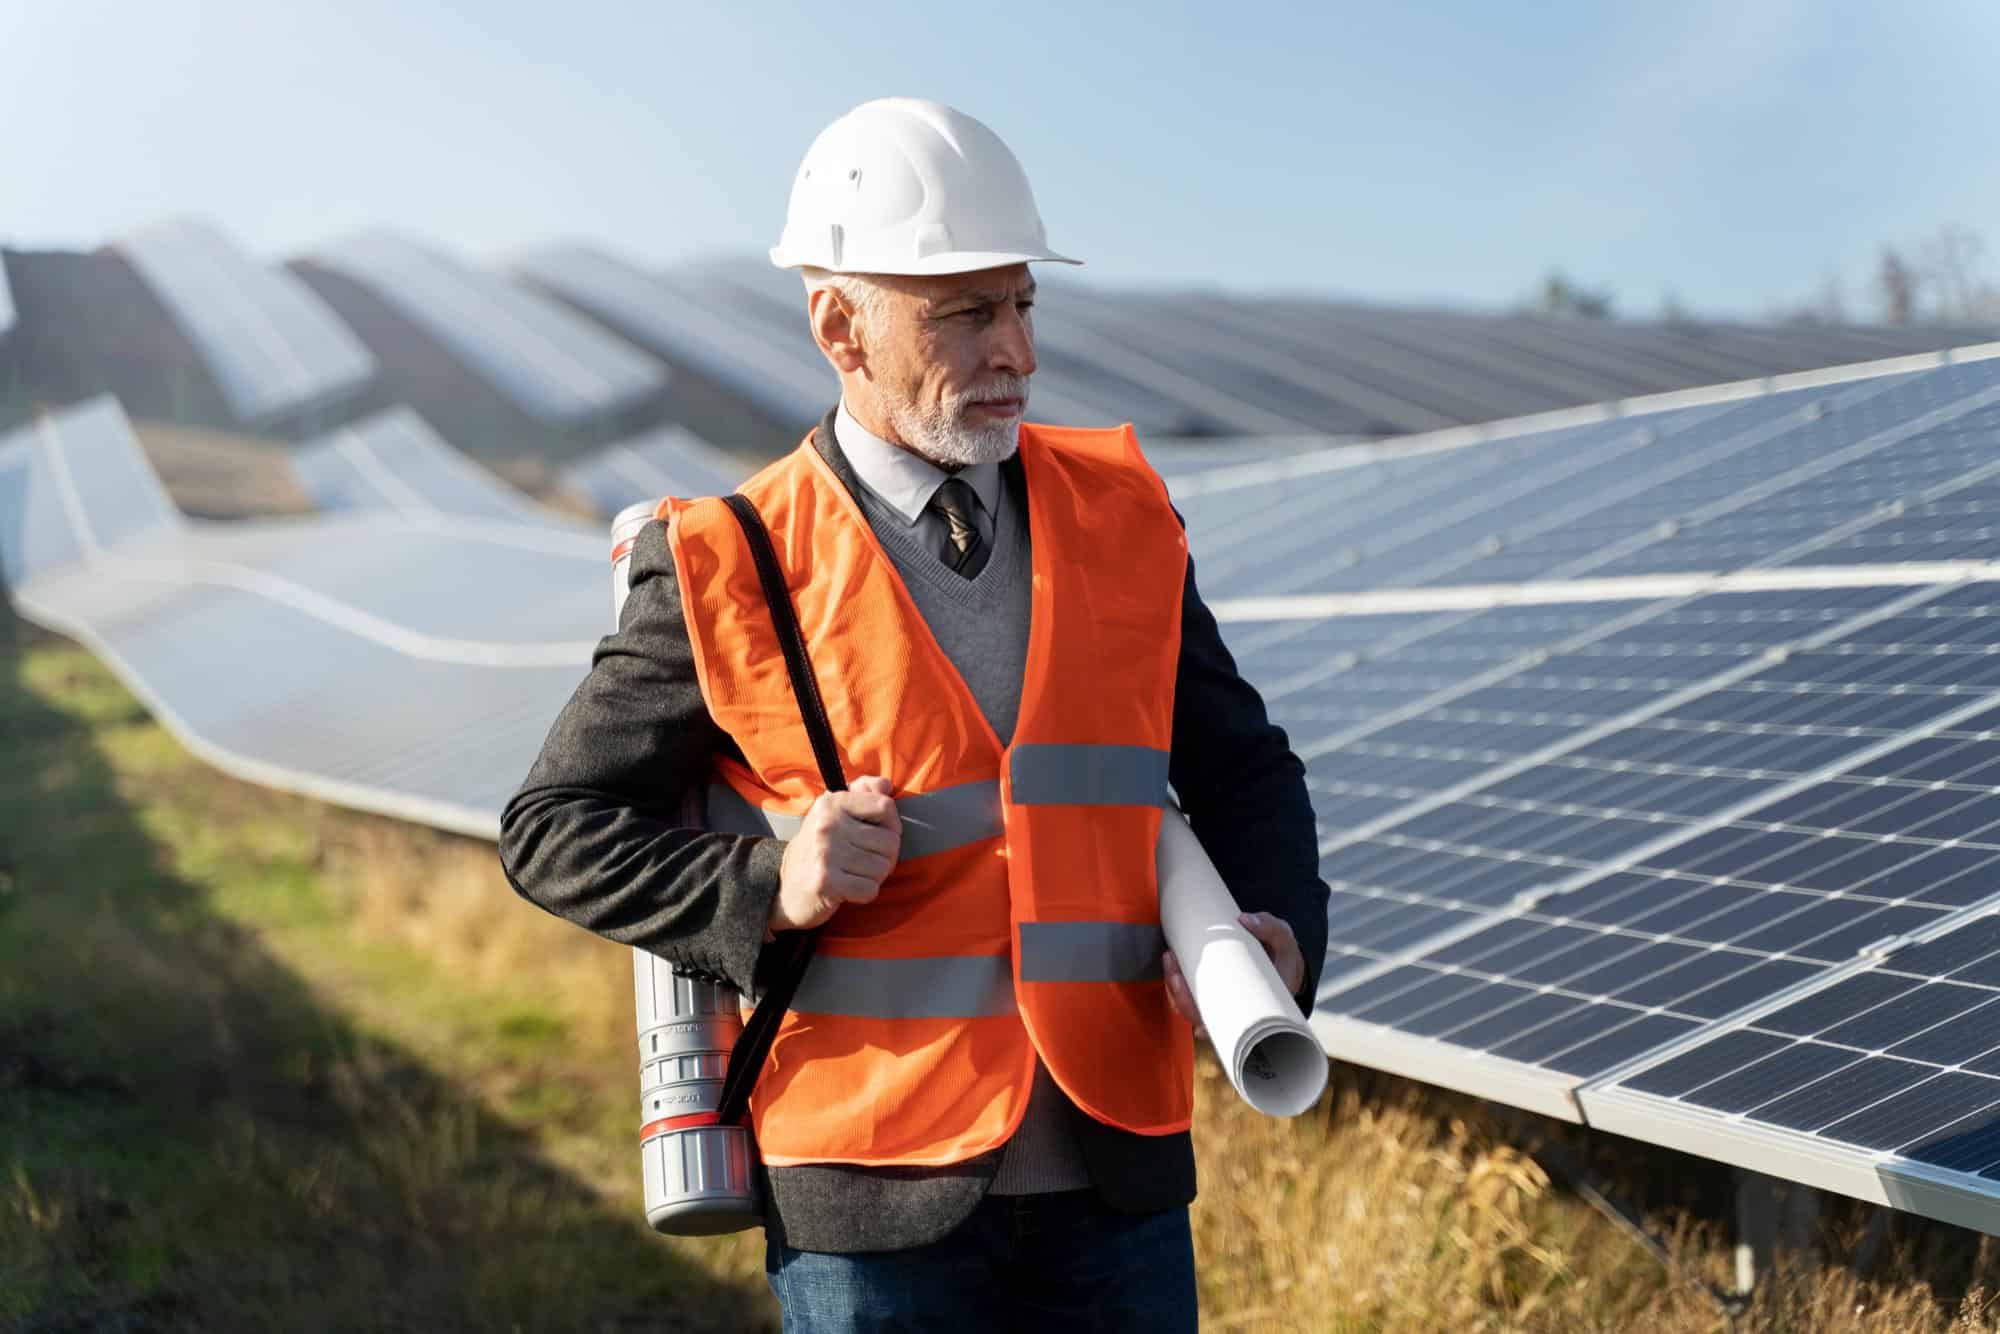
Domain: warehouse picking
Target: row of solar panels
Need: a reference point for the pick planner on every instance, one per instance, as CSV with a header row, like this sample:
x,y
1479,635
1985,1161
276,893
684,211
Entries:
x,y
1652,750
385,658
1205,364
272,342
1652,758
403,651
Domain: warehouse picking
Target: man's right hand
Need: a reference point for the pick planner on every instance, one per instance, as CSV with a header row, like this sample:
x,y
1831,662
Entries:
x,y
844,849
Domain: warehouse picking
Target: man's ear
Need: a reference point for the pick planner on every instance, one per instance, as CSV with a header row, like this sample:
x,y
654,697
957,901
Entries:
x,y
836,330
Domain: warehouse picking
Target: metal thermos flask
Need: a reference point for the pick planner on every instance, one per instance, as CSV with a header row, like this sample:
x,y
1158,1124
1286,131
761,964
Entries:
x,y
699,1177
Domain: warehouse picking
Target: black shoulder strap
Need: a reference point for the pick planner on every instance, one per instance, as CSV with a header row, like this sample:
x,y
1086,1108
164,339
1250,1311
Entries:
x,y
792,640
746,1059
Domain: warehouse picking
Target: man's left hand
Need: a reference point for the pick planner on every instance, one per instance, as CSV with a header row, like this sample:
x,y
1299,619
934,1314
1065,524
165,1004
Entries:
x,y
1273,933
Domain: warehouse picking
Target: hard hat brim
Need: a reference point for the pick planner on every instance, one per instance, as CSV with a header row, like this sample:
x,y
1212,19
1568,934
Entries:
x,y
956,261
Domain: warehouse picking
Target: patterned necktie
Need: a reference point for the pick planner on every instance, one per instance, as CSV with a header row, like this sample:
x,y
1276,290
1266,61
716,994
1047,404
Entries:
x,y
964,551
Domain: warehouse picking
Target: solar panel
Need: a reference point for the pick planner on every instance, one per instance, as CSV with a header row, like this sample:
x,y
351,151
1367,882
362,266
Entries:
x,y
395,461
667,462
270,343
1201,339
1644,868
552,363
1602,831
1197,363
1474,367
1454,379
783,375
1878,1080
1698,488
76,486
349,657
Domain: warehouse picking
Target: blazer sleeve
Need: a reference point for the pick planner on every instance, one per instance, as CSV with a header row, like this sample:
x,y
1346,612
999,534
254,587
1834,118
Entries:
x,y
595,834
1243,789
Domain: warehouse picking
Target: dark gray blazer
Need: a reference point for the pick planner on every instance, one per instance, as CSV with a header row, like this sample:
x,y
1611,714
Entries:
x,y
593,837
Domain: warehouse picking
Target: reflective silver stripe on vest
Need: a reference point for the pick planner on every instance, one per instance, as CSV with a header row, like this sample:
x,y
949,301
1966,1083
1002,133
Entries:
x,y
939,821
729,812
941,988
948,818
1091,951
1074,775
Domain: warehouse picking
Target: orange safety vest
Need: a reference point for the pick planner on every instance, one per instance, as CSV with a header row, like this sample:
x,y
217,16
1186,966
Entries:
x,y
1023,913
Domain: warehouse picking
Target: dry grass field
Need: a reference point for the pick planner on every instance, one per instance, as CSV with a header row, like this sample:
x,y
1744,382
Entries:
x,y
269,1065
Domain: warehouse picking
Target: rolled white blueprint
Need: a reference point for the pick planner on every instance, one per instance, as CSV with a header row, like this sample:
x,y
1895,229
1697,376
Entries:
x,y
1272,1057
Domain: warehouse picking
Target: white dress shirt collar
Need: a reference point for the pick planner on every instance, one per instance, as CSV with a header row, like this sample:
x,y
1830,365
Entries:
x,y
904,481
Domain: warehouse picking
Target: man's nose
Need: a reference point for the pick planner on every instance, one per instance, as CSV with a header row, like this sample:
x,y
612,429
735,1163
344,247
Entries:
x,y
1012,348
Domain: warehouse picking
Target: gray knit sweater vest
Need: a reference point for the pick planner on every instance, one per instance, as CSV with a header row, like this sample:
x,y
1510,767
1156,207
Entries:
x,y
982,626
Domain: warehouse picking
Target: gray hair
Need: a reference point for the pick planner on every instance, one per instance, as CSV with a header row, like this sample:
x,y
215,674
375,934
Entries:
x,y
867,298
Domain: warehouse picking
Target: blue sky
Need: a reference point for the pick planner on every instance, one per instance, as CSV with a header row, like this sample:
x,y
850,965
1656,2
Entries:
x,y
1736,153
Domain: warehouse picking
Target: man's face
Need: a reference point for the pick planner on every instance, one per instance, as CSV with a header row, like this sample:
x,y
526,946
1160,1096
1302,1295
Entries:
x,y
951,360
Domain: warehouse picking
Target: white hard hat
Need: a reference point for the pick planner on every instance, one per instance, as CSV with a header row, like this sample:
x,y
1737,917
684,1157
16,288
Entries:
x,y
901,185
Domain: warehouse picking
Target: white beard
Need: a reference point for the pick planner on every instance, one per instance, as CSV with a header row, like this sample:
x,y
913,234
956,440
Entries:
x,y
939,433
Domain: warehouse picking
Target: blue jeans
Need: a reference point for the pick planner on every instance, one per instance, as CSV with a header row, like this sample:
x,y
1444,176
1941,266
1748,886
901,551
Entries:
x,y
1023,1263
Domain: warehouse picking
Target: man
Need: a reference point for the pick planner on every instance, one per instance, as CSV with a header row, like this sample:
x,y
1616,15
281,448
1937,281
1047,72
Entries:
x,y
976,1111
